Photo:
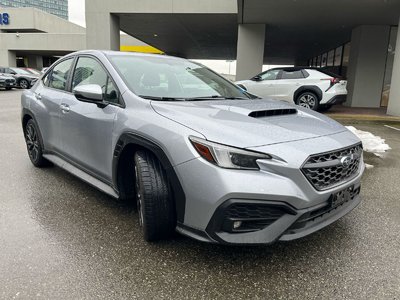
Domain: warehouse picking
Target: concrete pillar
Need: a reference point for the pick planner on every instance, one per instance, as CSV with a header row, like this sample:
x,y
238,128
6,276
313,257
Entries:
x,y
394,96
8,58
366,71
250,50
102,31
35,61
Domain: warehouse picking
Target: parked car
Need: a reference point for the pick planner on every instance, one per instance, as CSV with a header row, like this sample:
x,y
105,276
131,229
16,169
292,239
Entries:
x,y
7,82
23,78
195,152
307,87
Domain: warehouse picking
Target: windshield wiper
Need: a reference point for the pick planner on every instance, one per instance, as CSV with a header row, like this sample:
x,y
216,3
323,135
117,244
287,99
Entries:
x,y
215,97
161,98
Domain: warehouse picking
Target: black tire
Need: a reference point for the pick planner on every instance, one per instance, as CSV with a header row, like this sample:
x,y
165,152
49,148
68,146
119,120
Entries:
x,y
154,198
308,100
23,84
34,144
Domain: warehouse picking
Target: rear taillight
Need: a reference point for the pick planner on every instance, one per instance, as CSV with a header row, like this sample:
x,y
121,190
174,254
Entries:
x,y
335,80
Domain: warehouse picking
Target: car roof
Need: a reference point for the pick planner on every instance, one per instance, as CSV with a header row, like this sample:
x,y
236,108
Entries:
x,y
120,53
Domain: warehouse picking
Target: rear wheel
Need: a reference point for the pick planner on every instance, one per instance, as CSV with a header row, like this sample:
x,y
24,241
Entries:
x,y
154,198
24,84
34,144
308,100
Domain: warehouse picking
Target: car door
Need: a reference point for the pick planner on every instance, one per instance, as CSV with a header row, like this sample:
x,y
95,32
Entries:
x,y
263,85
49,94
289,81
87,127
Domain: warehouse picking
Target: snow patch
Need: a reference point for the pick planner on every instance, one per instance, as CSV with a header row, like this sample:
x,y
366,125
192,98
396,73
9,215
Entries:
x,y
371,143
368,166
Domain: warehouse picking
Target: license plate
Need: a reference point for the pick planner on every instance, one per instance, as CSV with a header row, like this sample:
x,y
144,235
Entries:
x,y
341,197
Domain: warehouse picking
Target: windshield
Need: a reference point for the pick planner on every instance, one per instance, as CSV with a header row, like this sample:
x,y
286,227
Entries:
x,y
169,78
20,71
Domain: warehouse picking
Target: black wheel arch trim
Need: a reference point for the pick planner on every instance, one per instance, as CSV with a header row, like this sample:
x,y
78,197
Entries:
x,y
131,138
307,88
27,112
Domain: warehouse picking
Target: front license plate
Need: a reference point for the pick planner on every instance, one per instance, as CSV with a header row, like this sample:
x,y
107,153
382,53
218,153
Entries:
x,y
341,197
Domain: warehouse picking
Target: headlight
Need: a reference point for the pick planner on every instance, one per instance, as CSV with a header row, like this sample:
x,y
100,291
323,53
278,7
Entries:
x,y
226,156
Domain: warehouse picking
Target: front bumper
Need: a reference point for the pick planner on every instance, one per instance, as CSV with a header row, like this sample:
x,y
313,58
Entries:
x,y
291,225
211,190
8,84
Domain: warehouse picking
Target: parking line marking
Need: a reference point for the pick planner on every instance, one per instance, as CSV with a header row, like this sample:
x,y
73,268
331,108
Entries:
x,y
398,129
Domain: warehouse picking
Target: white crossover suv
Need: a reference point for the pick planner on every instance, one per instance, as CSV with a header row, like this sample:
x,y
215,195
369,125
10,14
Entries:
x,y
308,87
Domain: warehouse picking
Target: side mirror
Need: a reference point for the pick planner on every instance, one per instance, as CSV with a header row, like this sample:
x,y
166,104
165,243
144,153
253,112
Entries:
x,y
89,92
256,78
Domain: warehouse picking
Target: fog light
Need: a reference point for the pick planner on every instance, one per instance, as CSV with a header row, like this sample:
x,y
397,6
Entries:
x,y
237,224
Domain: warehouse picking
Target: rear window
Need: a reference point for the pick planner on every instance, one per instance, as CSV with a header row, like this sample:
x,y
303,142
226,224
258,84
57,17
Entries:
x,y
329,73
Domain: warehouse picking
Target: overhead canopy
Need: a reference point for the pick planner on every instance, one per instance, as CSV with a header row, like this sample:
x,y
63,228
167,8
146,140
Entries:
x,y
296,29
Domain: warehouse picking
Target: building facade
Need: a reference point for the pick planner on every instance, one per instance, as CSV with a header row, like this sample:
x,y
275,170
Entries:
x,y
58,8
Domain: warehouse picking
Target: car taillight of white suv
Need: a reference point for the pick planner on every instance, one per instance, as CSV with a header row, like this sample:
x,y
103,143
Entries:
x,y
308,87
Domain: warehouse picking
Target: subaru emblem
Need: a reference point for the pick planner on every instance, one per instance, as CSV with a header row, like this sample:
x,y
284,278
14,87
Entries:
x,y
346,161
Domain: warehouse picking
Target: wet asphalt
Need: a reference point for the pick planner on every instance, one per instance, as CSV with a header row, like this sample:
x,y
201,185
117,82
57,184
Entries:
x,y
62,239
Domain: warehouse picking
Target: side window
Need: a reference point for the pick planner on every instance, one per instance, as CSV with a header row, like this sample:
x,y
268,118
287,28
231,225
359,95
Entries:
x,y
270,75
292,75
58,77
90,71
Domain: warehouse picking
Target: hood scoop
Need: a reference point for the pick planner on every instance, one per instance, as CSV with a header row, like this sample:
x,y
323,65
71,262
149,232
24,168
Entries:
x,y
273,112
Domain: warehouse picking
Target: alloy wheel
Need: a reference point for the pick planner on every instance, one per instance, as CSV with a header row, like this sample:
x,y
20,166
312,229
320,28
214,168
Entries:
x,y
24,84
307,101
32,142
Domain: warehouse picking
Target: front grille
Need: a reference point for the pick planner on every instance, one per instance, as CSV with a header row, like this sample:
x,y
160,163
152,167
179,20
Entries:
x,y
253,216
247,211
10,80
327,170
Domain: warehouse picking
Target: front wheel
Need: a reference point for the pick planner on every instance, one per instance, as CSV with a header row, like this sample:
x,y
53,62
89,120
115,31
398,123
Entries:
x,y
154,198
308,100
24,84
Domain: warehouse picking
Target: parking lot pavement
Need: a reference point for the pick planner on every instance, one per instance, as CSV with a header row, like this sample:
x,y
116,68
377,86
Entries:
x,y
62,239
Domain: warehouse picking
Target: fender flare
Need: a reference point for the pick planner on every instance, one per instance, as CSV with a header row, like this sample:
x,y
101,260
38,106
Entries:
x,y
308,88
131,138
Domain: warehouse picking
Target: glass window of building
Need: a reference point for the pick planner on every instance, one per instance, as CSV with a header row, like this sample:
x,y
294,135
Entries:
x,y
323,59
318,61
389,67
345,61
338,56
330,58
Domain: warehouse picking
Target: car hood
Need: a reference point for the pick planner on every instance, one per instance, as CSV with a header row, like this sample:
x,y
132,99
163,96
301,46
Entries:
x,y
248,123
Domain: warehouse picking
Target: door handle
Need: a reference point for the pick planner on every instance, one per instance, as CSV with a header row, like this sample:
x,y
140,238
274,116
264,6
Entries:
x,y
38,96
64,108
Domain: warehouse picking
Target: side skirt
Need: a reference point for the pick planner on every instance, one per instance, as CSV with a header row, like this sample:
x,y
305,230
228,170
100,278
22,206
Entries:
x,y
81,174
